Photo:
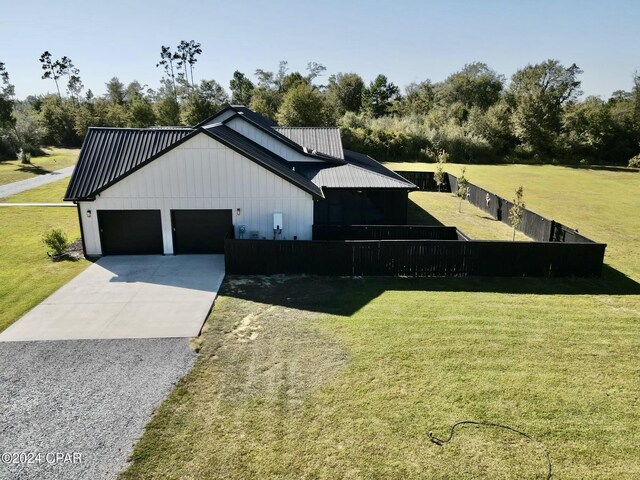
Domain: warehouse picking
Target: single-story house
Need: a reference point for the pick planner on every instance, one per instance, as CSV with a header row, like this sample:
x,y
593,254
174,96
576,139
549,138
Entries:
x,y
171,190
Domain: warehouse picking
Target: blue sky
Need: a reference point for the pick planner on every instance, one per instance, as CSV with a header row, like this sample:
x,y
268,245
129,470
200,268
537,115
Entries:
x,y
406,40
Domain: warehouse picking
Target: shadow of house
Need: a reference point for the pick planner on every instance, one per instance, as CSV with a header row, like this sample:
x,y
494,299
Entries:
x,y
192,272
416,215
345,296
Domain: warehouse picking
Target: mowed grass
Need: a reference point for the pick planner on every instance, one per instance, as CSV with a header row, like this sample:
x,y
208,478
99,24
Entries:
x,y
325,378
443,207
50,193
343,378
55,159
27,275
602,204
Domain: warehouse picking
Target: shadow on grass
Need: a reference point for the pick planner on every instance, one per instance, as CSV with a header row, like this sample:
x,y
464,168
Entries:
x,y
67,258
606,168
416,215
33,169
345,296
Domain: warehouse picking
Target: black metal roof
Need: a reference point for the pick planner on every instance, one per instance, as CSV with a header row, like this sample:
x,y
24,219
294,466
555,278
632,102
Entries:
x,y
355,173
273,132
369,163
327,146
108,154
320,139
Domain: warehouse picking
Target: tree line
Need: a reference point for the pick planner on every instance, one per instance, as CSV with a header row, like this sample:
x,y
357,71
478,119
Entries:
x,y
475,114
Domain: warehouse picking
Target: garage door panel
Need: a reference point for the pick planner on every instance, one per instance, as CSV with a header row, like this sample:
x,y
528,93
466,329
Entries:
x,y
130,232
200,231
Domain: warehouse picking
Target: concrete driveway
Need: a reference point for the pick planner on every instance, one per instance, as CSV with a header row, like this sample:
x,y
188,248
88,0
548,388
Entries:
x,y
136,296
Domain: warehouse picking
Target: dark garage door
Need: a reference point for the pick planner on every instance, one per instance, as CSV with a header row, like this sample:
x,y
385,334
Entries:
x,y
130,232
200,231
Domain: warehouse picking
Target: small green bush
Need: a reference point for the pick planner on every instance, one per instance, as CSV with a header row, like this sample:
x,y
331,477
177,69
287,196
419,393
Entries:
x,y
635,161
56,239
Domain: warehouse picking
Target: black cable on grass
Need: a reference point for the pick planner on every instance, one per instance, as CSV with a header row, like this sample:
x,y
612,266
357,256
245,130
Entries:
x,y
441,442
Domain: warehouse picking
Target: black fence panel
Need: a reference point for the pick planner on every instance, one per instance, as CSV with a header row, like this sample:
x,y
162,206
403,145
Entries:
x,y
384,232
533,225
413,258
426,181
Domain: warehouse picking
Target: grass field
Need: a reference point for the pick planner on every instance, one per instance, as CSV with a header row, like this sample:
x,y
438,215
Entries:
x,y
55,159
50,193
304,377
27,275
443,209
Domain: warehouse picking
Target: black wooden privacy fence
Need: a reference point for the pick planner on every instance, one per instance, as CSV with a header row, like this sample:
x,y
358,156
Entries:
x,y
533,225
386,232
425,181
414,258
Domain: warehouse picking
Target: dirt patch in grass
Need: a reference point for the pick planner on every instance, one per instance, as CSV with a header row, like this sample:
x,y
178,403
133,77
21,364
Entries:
x,y
270,352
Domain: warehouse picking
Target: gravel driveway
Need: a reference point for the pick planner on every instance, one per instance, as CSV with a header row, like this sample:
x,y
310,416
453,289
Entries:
x,y
81,404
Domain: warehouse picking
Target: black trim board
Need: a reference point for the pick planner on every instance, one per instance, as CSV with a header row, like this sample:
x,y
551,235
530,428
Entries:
x,y
237,109
84,245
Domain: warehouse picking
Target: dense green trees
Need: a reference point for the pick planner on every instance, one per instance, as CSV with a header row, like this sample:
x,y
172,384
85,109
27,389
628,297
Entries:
x,y
241,89
476,85
538,94
379,96
302,106
472,116
7,117
344,93
203,101
475,114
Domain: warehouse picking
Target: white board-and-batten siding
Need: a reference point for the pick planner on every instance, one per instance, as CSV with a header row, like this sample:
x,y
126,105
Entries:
x,y
204,174
274,145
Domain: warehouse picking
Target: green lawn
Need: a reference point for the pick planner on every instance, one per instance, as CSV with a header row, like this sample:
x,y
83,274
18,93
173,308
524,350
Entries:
x,y
443,209
304,377
27,275
50,193
55,159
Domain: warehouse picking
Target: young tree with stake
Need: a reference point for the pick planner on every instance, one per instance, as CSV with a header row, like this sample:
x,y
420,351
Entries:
x,y
463,188
517,211
439,175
